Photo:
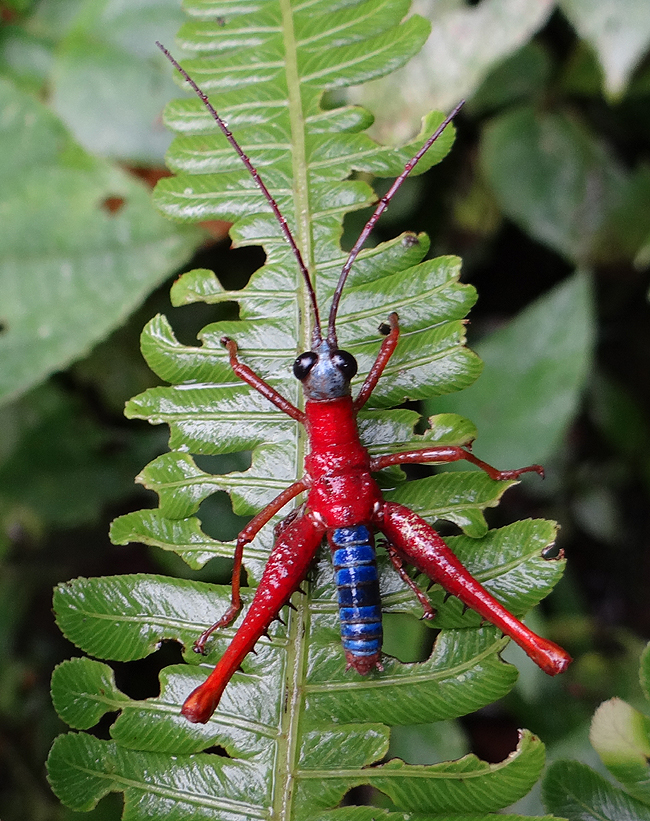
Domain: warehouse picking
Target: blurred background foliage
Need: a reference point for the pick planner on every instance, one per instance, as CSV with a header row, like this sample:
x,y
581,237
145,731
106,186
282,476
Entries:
x,y
546,197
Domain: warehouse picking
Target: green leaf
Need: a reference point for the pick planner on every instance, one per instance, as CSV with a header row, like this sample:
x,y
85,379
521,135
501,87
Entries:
x,y
349,813
86,769
83,691
574,791
297,729
108,71
644,673
618,32
625,234
451,67
68,276
621,737
79,468
536,369
544,169
521,77
468,782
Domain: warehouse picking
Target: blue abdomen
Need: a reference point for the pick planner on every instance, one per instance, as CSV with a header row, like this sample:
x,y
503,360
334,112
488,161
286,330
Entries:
x,y
357,581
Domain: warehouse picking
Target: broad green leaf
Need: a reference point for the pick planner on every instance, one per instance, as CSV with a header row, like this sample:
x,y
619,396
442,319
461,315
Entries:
x,y
627,229
466,42
574,791
79,468
26,58
618,32
53,20
68,276
109,73
621,737
521,77
536,369
298,729
545,170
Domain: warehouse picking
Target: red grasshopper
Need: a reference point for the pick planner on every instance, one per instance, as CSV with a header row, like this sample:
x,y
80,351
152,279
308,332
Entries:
x,y
343,501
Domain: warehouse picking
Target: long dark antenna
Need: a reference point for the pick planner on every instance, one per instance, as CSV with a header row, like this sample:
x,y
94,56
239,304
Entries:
x,y
379,210
317,334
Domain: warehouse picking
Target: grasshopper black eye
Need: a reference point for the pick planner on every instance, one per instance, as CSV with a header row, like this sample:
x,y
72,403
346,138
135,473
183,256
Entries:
x,y
303,365
345,363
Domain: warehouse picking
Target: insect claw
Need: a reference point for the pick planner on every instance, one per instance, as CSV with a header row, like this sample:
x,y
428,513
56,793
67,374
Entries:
x,y
300,590
292,606
280,619
447,596
465,609
430,585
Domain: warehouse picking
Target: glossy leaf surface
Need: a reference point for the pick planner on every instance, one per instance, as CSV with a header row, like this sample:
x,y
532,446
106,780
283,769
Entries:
x,y
295,730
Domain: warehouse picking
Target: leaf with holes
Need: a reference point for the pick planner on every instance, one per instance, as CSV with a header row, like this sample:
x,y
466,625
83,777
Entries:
x,y
295,730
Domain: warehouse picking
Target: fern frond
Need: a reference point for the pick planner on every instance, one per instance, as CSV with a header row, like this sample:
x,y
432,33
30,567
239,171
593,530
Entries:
x,y
298,730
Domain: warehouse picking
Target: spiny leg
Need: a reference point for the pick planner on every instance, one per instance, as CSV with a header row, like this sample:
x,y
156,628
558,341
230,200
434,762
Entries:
x,y
424,548
245,537
398,563
286,568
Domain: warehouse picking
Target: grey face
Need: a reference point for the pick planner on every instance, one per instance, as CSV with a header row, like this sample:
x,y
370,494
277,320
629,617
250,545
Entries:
x,y
325,373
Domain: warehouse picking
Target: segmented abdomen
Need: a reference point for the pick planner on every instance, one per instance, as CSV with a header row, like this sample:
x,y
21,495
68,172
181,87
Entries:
x,y
357,581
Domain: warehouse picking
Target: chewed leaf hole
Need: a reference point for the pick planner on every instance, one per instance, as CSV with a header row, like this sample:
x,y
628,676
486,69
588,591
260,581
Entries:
x,y
139,679
217,750
360,796
406,638
218,519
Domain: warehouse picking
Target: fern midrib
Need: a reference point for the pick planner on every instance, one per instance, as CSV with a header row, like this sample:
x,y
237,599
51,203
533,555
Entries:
x,y
299,162
288,747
